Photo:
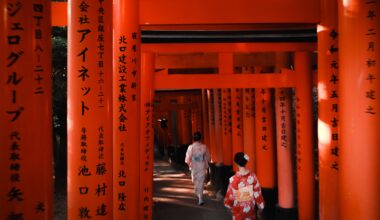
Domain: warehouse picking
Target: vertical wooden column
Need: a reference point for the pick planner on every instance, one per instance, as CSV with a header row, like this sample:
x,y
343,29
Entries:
x,y
304,126
211,125
284,139
184,121
146,135
265,150
205,119
26,185
237,121
249,133
126,98
359,109
225,64
89,110
218,125
328,119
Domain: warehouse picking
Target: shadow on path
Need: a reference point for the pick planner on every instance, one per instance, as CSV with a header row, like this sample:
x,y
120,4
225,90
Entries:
x,y
173,197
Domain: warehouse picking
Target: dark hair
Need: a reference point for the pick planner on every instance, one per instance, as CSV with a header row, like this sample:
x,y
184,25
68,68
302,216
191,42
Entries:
x,y
197,136
240,160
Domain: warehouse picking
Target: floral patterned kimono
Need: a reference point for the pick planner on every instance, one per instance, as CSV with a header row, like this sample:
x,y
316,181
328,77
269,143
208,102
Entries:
x,y
243,193
197,157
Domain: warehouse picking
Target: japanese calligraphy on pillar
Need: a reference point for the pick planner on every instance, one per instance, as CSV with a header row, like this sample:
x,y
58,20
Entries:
x,y
283,119
89,94
333,98
265,93
14,107
148,160
126,109
25,101
371,38
238,112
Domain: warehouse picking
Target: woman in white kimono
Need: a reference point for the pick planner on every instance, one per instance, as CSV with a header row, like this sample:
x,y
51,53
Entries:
x,y
197,158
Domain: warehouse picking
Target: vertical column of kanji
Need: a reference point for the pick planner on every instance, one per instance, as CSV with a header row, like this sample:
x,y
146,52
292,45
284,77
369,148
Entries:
x,y
146,135
205,119
40,150
225,65
20,171
304,137
359,110
218,125
4,100
126,94
89,109
328,143
211,124
265,150
237,121
284,143
248,123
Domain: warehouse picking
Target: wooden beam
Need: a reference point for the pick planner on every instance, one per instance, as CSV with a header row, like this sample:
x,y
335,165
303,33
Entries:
x,y
213,81
183,48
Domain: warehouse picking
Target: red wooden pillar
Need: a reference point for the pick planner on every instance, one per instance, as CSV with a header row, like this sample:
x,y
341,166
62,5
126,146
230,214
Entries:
x,y
146,135
126,98
359,109
265,151
211,124
225,64
218,125
328,119
237,121
205,119
304,126
249,136
284,140
89,110
26,185
226,127
184,121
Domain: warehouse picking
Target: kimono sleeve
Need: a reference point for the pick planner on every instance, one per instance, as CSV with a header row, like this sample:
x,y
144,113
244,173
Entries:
x,y
188,155
257,193
229,198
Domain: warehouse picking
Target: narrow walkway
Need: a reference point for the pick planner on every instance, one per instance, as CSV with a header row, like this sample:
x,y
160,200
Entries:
x,y
174,198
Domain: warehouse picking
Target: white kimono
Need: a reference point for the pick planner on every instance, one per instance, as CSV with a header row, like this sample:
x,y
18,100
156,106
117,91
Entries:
x,y
198,157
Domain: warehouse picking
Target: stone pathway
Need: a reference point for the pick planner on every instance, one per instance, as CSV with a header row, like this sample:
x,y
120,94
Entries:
x,y
174,198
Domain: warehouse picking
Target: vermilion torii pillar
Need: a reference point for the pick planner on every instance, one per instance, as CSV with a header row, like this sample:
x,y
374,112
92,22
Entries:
x,y
211,125
146,135
218,125
89,110
284,137
206,129
328,118
225,64
249,128
304,146
359,109
126,109
26,185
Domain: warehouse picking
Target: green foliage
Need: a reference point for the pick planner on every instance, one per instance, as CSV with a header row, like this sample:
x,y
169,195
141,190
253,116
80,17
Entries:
x,y
59,76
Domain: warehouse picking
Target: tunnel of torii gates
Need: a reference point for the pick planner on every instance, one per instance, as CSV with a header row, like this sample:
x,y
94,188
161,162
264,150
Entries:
x,y
257,98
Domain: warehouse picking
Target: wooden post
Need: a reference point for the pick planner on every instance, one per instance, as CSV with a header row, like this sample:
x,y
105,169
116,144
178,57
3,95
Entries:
x,y
89,115
359,109
284,139
126,103
328,119
304,126
26,185
146,135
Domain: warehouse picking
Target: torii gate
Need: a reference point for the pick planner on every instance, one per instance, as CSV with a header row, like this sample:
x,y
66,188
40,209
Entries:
x,y
110,164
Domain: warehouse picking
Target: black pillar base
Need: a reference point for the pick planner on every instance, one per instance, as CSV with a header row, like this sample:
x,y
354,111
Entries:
x,y
270,198
226,173
286,213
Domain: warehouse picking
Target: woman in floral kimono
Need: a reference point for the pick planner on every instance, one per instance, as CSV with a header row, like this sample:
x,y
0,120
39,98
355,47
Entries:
x,y
197,158
244,192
